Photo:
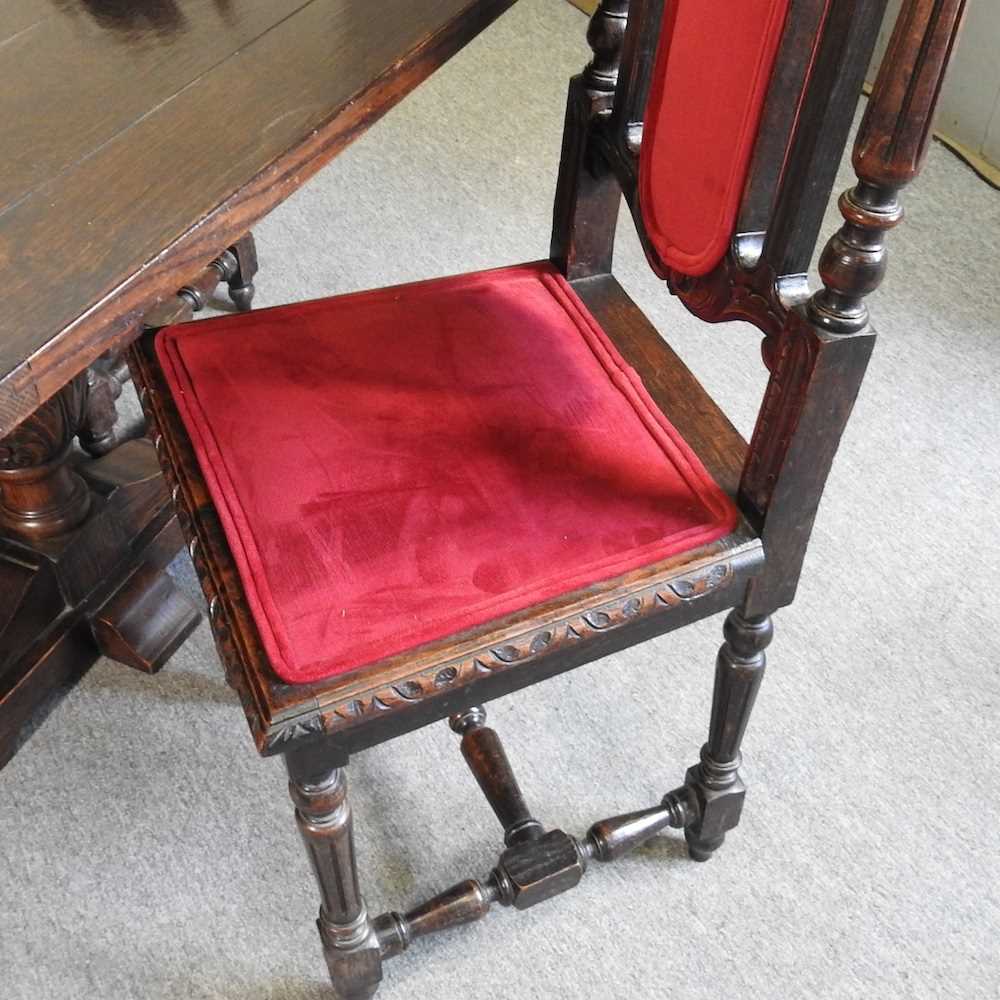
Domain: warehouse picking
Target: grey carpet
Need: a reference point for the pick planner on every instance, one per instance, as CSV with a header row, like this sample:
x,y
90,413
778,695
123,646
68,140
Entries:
x,y
146,852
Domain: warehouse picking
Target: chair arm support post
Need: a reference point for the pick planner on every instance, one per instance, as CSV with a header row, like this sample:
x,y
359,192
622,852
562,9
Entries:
x,y
585,212
815,378
639,46
818,359
822,124
889,151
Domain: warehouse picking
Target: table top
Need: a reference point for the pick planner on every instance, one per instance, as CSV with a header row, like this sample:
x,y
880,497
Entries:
x,y
140,137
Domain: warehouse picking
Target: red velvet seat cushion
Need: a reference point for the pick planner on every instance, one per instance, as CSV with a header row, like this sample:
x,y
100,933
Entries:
x,y
395,466
713,67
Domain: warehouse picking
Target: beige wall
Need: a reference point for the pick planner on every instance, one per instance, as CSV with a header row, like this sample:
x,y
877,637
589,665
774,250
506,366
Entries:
x,y
969,111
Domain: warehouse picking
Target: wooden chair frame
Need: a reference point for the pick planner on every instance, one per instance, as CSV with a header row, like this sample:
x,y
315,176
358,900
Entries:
x,y
816,348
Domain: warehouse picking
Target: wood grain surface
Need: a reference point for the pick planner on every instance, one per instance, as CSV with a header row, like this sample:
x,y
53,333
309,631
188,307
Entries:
x,y
141,139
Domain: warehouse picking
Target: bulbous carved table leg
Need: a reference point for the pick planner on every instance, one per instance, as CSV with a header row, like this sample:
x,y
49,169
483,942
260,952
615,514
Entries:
x,y
715,781
82,548
40,495
324,819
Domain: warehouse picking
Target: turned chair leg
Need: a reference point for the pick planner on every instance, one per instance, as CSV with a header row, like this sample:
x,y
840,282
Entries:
x,y
323,814
715,781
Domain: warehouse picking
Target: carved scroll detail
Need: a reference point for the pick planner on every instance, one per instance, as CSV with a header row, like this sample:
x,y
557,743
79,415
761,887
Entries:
x,y
48,431
41,496
517,652
223,631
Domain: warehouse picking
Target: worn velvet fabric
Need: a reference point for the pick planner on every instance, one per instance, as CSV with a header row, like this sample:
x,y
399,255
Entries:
x,y
713,65
395,466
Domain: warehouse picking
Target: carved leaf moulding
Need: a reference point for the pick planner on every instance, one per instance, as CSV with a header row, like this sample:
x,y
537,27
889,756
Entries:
x,y
488,660
219,613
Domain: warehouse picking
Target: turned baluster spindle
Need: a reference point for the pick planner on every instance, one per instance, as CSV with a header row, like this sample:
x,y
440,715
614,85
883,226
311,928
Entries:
x,y
237,267
611,839
488,762
889,152
198,293
461,904
605,35
533,871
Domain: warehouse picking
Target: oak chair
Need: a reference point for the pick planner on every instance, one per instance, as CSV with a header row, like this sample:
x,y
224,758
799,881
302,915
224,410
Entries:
x,y
402,504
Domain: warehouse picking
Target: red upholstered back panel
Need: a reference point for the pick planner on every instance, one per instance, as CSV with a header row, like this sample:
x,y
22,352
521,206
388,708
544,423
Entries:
x,y
711,75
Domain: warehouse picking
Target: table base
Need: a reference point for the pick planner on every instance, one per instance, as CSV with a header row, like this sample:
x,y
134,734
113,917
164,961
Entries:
x,y
96,589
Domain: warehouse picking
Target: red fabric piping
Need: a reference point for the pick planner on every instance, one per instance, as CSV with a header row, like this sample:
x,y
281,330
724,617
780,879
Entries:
x,y
243,539
718,228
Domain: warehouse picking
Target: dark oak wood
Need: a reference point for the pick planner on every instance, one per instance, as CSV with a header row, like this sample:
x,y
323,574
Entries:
x,y
484,753
819,356
536,866
715,781
587,194
84,575
822,123
40,494
145,621
461,904
239,267
324,819
158,186
888,154
98,432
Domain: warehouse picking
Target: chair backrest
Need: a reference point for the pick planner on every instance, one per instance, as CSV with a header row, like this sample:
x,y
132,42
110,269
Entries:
x,y
711,73
723,124
745,107
715,119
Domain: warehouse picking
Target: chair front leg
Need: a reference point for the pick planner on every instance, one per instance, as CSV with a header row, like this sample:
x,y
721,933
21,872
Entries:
x,y
715,781
323,814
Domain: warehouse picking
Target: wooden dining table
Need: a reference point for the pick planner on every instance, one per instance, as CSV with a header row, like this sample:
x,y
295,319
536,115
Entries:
x,y
140,140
